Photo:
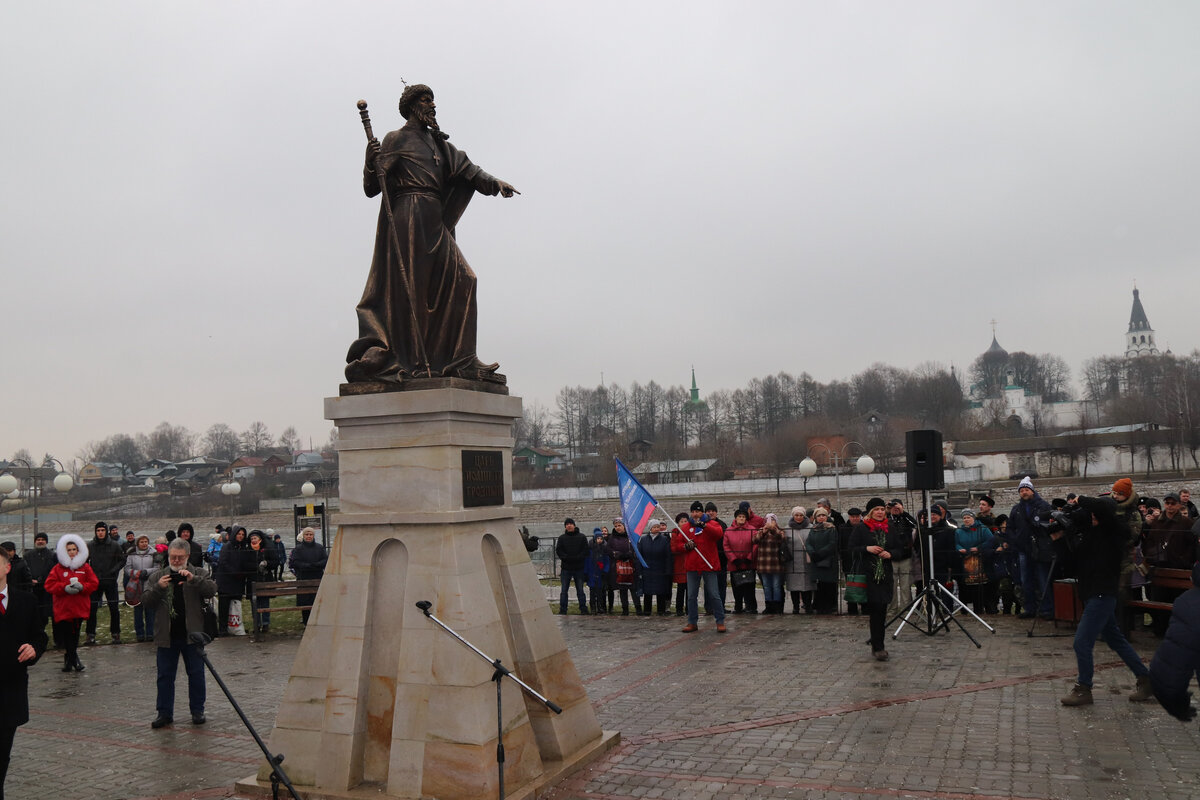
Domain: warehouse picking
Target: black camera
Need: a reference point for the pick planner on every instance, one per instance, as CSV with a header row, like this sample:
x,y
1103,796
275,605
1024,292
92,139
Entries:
x,y
177,578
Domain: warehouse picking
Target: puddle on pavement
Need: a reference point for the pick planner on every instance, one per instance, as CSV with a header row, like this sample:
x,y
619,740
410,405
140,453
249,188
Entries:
x,y
61,694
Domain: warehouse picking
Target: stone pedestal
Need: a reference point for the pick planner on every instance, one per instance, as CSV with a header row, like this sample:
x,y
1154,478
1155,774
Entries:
x,y
382,702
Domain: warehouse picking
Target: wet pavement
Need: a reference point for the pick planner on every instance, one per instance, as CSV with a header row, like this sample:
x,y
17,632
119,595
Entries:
x,y
778,707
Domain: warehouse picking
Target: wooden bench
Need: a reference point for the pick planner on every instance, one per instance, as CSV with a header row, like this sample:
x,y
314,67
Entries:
x,y
281,589
1178,579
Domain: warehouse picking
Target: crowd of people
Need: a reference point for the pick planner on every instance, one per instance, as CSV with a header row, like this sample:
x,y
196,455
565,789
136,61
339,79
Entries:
x,y
881,556
73,582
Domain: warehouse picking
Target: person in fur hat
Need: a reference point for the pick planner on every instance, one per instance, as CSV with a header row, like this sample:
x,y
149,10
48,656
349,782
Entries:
x,y
71,584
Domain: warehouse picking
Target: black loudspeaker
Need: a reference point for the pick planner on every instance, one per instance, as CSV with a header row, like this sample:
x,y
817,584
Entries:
x,y
925,464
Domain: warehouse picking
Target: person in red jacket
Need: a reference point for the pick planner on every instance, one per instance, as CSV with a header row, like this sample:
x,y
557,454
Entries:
x,y
699,537
71,584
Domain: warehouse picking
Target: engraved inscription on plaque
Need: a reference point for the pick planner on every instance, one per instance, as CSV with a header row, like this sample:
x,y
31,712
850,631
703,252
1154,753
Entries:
x,y
482,478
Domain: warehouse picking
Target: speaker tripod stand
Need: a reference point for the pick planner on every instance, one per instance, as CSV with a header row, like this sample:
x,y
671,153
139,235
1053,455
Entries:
x,y
933,613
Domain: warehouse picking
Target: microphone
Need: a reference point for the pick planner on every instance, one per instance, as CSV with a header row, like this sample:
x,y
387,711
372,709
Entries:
x,y
424,605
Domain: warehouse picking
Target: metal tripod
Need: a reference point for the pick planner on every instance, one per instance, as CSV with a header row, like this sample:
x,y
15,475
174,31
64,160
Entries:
x,y
933,613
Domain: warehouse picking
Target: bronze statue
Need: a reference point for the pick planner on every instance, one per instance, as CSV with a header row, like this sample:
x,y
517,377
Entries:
x,y
417,316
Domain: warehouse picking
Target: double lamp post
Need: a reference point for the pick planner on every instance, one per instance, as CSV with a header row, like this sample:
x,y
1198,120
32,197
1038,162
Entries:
x,y
10,486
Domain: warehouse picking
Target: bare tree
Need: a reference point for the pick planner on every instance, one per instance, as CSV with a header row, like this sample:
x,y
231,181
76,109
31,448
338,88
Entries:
x,y
289,440
170,442
123,450
220,442
256,440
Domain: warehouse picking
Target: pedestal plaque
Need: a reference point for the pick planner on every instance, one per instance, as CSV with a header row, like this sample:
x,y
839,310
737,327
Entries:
x,y
379,702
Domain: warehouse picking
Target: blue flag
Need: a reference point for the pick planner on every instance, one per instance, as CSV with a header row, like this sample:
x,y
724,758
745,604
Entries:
x,y
637,506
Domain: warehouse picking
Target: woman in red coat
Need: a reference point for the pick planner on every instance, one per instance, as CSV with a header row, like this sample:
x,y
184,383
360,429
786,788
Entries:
x,y
70,584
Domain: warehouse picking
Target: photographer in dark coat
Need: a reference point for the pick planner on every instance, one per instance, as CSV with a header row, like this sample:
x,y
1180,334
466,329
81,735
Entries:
x,y
307,562
175,594
1099,540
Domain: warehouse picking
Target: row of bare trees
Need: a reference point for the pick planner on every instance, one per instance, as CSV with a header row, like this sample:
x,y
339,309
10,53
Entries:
x,y
767,422
177,443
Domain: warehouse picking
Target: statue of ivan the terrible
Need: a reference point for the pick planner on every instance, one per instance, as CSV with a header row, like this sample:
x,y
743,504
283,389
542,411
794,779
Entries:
x,y
417,316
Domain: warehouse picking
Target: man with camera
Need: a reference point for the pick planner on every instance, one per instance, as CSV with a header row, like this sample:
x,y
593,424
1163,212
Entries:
x,y
176,595
1099,541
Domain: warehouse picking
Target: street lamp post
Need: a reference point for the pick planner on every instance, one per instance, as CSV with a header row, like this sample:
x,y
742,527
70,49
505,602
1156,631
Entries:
x,y
10,484
865,464
232,489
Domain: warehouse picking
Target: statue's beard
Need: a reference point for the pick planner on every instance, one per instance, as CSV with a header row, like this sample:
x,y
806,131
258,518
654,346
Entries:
x,y
429,120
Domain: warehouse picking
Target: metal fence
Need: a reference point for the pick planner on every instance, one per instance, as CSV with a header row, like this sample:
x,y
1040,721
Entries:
x,y
893,481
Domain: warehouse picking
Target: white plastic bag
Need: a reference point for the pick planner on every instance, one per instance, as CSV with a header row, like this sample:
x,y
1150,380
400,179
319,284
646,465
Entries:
x,y
234,623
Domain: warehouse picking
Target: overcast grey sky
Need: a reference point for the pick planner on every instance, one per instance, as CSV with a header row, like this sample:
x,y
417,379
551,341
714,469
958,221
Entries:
x,y
747,187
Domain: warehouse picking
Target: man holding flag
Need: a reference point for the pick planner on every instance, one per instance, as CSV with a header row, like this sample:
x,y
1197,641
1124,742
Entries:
x,y
699,538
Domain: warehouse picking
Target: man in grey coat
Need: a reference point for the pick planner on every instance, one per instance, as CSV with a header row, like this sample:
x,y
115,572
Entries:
x,y
175,594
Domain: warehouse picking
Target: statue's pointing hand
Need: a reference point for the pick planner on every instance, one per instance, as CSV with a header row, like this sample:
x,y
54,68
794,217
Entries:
x,y
506,189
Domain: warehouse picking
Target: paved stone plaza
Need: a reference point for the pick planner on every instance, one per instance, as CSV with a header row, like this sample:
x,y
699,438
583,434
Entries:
x,y
778,707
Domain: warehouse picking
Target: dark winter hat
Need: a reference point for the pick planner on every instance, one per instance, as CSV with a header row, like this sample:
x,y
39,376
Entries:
x,y
744,505
1071,496
940,508
568,521
896,501
100,525
854,512
875,502
9,546
1152,502
1123,486
41,535
1170,496
966,512
597,532
696,506
710,506
185,526
985,499
742,512
680,517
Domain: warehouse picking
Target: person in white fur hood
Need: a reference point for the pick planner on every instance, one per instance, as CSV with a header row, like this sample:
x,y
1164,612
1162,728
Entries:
x,y
70,584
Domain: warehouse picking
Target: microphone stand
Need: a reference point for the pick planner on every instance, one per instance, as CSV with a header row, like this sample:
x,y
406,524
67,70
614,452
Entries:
x,y
200,639
499,672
